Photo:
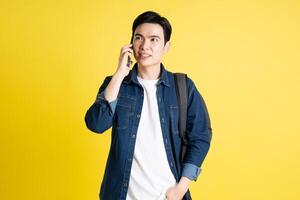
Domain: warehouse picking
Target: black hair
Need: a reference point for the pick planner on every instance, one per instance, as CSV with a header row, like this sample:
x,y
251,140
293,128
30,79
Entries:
x,y
155,18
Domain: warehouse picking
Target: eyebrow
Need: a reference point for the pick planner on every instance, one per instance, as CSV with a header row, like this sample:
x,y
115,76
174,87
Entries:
x,y
151,36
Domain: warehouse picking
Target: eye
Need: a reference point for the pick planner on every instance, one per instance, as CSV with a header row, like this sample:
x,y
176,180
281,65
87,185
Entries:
x,y
154,40
137,38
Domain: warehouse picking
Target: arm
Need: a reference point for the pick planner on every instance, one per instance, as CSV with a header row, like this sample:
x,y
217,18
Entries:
x,y
198,133
99,116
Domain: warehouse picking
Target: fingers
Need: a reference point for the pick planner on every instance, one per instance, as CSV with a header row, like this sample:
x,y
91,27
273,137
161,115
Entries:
x,y
127,48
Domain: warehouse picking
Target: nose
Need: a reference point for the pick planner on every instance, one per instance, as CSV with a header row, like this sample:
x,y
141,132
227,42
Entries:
x,y
145,45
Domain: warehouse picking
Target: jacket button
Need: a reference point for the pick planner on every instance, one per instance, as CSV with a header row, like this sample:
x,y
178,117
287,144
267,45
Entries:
x,y
133,136
138,115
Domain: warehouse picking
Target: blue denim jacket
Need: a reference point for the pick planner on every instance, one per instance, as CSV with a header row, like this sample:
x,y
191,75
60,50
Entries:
x,y
123,115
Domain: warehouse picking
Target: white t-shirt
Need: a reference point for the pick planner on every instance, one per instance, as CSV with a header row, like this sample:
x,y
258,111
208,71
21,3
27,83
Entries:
x,y
150,175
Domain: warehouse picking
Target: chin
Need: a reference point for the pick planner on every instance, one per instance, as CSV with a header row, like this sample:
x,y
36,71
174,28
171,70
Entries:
x,y
146,64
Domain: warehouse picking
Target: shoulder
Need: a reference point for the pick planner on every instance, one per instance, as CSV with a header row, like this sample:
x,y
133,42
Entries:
x,y
189,81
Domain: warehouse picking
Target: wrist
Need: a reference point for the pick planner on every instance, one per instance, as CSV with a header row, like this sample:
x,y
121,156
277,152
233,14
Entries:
x,y
119,74
118,77
183,184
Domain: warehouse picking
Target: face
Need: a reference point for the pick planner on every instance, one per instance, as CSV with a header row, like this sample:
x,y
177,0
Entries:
x,y
148,44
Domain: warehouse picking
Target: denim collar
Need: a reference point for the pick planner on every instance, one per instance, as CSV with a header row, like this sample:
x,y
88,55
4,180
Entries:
x,y
132,76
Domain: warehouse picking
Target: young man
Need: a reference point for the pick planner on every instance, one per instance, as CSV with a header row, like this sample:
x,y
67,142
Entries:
x,y
141,107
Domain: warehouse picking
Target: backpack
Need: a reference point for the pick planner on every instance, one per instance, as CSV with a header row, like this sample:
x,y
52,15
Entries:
x,y
182,98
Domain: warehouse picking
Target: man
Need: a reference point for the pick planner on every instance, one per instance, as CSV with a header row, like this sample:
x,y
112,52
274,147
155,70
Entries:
x,y
141,107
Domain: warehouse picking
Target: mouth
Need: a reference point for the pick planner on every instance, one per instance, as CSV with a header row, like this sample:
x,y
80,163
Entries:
x,y
144,55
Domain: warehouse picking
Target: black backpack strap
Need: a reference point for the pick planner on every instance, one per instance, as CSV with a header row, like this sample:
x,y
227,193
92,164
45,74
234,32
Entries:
x,y
182,98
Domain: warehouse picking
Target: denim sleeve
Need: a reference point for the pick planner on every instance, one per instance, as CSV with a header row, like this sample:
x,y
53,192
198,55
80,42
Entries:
x,y
198,133
112,104
99,116
190,171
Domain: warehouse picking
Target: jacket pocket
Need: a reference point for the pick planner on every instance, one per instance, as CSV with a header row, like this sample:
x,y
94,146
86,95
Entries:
x,y
123,113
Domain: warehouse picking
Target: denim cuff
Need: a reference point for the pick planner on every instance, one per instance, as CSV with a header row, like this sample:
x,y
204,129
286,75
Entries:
x,y
112,105
190,171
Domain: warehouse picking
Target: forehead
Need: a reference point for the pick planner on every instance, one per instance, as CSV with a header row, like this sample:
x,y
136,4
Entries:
x,y
149,29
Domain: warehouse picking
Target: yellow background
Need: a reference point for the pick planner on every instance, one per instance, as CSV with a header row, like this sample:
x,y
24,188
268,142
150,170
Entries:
x,y
243,56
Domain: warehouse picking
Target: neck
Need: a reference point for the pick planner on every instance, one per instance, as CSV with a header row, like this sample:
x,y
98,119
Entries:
x,y
149,72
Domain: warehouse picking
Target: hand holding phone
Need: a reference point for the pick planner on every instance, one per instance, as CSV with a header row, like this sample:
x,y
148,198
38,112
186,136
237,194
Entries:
x,y
125,62
129,61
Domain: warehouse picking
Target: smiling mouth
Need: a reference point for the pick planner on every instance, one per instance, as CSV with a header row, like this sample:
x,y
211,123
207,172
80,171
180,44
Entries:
x,y
143,56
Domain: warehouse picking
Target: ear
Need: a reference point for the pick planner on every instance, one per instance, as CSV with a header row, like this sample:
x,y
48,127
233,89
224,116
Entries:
x,y
167,47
